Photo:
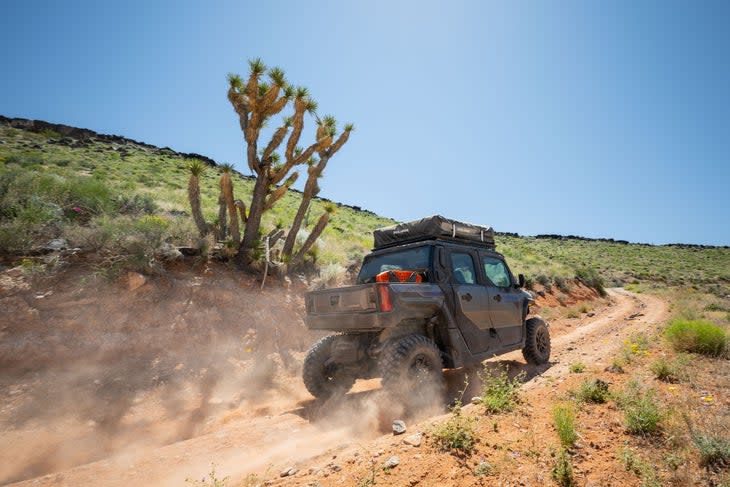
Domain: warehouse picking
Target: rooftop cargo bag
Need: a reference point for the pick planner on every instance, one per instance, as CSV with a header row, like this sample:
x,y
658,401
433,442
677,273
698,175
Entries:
x,y
433,227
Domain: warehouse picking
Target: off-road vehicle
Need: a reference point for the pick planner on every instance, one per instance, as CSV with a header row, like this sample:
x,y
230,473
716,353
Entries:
x,y
433,294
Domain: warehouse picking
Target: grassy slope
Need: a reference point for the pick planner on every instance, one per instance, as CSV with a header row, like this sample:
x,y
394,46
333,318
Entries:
x,y
161,173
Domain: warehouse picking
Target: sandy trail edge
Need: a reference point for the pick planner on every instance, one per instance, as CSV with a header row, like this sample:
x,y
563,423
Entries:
x,y
287,438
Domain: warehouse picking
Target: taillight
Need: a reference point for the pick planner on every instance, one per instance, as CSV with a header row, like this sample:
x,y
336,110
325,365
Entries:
x,y
385,303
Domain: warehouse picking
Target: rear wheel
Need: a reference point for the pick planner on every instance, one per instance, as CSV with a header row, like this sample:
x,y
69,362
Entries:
x,y
323,378
412,371
537,342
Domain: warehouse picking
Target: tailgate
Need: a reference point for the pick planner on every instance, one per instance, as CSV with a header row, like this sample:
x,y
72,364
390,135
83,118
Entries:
x,y
351,299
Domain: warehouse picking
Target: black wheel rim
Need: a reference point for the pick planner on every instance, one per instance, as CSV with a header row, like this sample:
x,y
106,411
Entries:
x,y
542,341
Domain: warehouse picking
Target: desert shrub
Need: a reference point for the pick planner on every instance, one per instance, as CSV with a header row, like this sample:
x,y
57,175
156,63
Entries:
x,y
499,392
561,283
577,367
591,278
714,450
562,471
642,413
572,313
564,420
697,336
211,480
644,470
544,280
457,434
136,204
669,370
595,391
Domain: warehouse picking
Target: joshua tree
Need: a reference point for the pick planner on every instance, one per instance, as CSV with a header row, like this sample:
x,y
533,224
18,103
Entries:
x,y
255,102
314,172
316,232
222,217
226,184
196,169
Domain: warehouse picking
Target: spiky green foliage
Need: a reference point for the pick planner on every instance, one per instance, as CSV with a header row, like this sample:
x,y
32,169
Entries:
x,y
699,336
235,81
276,75
256,67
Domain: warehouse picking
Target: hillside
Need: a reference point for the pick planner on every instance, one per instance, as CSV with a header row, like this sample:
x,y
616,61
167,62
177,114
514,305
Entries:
x,y
120,367
49,169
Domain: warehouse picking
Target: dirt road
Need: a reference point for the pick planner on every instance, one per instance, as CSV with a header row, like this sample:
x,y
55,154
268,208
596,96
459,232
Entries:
x,y
295,430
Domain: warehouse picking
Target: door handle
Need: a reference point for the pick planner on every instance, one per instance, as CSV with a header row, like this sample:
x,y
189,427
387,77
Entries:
x,y
498,297
466,297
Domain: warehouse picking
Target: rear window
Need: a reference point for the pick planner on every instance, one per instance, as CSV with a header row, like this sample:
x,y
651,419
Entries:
x,y
418,258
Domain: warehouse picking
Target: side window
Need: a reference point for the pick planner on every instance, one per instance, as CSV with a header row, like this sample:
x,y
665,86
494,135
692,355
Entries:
x,y
462,267
496,272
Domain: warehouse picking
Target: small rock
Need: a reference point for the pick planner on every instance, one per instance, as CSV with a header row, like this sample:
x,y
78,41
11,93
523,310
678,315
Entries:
x,y
476,400
314,470
57,244
615,369
135,280
413,440
391,462
336,468
288,472
399,427
591,314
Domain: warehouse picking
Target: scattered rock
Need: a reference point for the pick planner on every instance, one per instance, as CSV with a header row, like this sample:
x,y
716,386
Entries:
x,y
391,462
615,369
591,314
288,472
336,468
135,280
476,400
413,440
56,244
169,252
399,427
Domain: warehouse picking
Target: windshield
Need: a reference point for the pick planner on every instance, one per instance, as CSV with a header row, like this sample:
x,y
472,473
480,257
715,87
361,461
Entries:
x,y
411,259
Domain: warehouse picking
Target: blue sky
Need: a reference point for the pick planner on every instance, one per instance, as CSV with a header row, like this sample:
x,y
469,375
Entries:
x,y
601,119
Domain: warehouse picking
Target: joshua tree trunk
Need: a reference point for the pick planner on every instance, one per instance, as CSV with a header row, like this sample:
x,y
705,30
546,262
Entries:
x,y
316,232
194,198
227,189
222,217
311,188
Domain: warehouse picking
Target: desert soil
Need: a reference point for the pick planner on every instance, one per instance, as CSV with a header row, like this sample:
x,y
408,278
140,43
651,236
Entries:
x,y
338,444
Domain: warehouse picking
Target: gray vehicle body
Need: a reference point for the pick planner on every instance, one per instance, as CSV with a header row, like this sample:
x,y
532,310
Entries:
x,y
469,319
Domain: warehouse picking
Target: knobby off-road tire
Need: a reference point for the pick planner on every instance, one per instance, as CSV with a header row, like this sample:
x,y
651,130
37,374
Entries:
x,y
322,378
412,372
537,342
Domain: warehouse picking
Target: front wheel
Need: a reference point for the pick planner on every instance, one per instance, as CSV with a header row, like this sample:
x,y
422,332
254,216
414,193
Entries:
x,y
413,372
537,342
323,378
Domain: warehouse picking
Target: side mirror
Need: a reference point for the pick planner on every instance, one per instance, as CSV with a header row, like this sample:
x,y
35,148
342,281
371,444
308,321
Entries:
x,y
521,280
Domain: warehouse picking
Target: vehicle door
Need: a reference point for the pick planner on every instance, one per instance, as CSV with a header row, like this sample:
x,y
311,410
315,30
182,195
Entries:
x,y
470,298
505,300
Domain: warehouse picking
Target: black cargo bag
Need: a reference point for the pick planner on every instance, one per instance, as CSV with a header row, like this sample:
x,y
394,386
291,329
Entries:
x,y
433,227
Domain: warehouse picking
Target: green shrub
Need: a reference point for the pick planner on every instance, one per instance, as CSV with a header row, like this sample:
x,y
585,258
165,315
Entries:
x,y
591,278
577,367
499,392
595,391
642,414
697,336
644,470
564,419
562,471
669,370
457,434
714,450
